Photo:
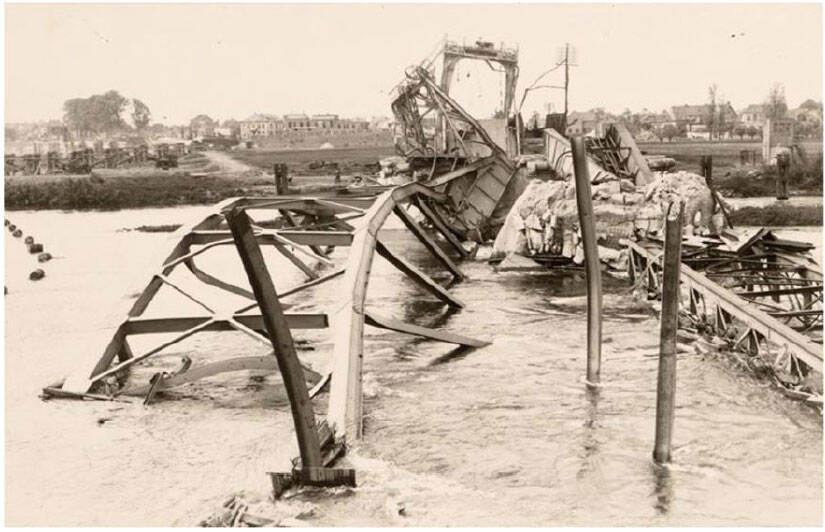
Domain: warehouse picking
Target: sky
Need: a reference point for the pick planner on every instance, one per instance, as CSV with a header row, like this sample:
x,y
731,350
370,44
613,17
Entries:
x,y
230,61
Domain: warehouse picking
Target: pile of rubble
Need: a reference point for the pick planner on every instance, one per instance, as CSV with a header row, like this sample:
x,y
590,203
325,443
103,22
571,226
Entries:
x,y
544,219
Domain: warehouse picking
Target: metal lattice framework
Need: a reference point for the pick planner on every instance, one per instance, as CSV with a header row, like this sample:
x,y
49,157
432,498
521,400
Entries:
x,y
766,301
310,225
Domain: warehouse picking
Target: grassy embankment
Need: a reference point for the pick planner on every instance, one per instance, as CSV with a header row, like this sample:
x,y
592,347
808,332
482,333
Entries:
x,y
130,187
734,180
777,215
197,180
317,162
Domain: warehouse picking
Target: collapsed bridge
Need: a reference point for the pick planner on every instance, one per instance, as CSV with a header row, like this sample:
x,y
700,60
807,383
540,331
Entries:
x,y
470,180
309,227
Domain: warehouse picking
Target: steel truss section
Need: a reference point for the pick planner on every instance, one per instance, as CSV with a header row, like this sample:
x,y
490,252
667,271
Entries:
x,y
319,222
729,297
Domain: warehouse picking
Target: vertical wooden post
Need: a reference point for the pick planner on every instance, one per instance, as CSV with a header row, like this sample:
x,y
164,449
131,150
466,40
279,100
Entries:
x,y
591,261
783,164
707,173
281,179
280,336
707,166
666,386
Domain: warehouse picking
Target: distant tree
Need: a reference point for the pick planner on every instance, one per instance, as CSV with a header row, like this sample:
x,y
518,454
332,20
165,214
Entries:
x,y
77,117
740,131
811,105
804,129
600,113
201,120
723,124
140,114
669,131
233,125
535,120
776,106
627,116
99,113
752,131
499,114
711,112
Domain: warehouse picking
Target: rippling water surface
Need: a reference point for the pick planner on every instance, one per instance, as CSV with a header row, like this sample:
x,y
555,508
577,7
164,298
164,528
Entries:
x,y
503,435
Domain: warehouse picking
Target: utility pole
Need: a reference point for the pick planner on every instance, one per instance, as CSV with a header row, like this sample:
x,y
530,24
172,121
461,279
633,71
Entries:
x,y
566,77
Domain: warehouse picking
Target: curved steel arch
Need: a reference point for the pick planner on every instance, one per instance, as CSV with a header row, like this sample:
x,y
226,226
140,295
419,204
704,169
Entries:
x,y
348,316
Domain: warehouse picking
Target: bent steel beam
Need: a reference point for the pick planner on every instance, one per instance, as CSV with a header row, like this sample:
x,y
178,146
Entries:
x,y
280,336
99,375
345,404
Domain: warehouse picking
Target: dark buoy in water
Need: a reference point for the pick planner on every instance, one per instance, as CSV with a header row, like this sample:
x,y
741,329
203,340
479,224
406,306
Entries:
x,y
29,240
35,248
7,222
12,227
37,274
17,233
44,257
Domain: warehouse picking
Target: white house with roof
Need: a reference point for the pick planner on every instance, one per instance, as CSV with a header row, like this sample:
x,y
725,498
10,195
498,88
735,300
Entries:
x,y
753,115
261,125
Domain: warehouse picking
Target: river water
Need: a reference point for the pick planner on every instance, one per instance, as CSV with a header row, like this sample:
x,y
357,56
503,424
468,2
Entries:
x,y
502,435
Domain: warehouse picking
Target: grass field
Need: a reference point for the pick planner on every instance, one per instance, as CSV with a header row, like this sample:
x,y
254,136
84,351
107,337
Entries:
x,y
315,162
735,180
84,193
778,215
725,154
127,188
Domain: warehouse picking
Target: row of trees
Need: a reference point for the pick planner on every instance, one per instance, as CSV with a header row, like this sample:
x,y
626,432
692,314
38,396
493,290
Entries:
x,y
105,114
669,131
717,117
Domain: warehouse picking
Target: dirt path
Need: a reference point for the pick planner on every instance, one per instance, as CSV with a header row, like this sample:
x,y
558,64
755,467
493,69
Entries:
x,y
227,163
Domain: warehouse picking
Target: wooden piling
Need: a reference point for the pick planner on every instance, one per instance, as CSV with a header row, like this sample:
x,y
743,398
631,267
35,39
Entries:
x,y
707,173
280,335
666,385
706,162
591,260
783,163
281,180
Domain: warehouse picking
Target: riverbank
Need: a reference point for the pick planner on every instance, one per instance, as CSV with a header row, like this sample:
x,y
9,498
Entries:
x,y
777,214
363,160
200,179
733,179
